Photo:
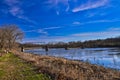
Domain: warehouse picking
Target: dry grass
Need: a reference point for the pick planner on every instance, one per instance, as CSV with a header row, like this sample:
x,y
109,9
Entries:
x,y
14,68
63,69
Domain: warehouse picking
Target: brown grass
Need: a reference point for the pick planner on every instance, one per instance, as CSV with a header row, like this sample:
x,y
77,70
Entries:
x,y
63,69
14,68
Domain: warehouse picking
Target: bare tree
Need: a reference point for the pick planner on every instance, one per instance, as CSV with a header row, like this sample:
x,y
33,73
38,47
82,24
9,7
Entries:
x,y
10,35
2,39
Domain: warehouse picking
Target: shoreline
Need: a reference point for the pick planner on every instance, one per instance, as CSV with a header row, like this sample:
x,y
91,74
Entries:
x,y
64,69
108,58
76,60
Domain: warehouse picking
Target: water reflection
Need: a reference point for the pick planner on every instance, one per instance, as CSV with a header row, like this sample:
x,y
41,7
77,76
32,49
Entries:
x,y
107,57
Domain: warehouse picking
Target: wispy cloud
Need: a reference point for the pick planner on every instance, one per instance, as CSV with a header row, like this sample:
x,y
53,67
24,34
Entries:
x,y
55,4
30,31
97,13
76,23
90,5
110,32
67,5
42,30
95,21
12,2
114,29
49,28
47,39
13,6
15,10
98,34
102,21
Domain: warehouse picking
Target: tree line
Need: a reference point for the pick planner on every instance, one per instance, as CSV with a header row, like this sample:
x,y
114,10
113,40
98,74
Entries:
x,y
10,36
109,42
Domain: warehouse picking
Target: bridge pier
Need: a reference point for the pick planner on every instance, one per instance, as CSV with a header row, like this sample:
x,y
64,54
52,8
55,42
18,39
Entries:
x,y
22,49
66,47
46,48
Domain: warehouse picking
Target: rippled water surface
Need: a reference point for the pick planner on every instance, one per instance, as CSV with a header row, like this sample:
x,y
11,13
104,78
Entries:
x,y
108,57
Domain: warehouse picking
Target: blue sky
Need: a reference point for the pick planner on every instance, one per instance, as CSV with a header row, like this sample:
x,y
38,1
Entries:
x,y
63,20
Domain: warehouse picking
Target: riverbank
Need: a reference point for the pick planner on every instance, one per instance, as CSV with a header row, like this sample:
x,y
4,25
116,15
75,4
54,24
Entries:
x,y
63,69
14,68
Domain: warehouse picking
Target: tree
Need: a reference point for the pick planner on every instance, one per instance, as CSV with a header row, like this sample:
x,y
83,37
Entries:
x,y
10,35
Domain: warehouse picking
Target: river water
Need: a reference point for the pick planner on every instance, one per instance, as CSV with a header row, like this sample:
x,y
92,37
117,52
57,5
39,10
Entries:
x,y
107,57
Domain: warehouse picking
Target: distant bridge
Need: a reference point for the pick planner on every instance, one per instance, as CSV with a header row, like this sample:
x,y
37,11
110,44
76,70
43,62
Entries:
x,y
36,42
45,46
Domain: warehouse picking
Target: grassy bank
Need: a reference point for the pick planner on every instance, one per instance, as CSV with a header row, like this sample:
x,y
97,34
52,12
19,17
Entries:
x,y
63,69
14,68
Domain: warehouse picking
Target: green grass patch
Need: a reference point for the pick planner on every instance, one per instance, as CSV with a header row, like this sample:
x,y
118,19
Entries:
x,y
13,68
1,73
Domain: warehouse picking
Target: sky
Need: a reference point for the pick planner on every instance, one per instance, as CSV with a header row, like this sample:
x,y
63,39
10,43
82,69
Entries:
x,y
62,20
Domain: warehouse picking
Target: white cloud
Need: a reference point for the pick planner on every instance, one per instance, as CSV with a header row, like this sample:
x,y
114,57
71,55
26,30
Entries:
x,y
12,2
96,21
100,21
76,23
15,10
13,6
114,29
95,13
46,39
111,32
54,4
98,34
42,32
66,6
57,12
43,29
35,30
51,28
90,5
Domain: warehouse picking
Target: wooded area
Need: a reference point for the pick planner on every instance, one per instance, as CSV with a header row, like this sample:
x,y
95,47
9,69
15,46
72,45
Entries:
x,y
10,35
109,42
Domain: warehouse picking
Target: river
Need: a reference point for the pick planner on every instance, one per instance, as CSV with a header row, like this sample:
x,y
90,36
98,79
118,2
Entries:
x,y
107,57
